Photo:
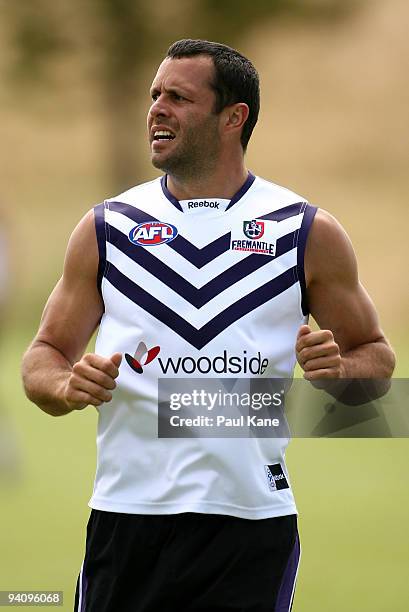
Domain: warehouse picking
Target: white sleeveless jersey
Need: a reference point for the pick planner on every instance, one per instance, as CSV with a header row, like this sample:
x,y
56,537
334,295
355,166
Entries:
x,y
184,283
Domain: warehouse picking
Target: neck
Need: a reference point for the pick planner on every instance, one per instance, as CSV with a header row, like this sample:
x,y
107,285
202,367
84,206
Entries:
x,y
222,182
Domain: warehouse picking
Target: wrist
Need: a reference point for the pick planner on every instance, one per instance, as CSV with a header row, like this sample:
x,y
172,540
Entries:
x,y
343,368
56,403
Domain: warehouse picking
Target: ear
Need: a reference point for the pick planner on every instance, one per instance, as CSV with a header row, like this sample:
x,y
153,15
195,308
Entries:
x,y
235,117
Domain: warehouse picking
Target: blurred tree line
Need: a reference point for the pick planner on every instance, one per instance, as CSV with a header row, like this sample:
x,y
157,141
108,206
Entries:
x,y
122,37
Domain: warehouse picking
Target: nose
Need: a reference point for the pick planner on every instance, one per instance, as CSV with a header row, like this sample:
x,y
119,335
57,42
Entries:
x,y
159,108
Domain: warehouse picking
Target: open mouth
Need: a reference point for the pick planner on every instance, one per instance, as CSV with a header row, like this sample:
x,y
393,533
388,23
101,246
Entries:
x,y
163,135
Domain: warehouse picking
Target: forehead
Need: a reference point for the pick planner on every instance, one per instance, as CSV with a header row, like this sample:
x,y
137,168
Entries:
x,y
190,73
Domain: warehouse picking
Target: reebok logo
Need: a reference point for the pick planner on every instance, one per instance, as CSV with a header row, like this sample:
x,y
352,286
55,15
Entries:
x,y
203,204
275,477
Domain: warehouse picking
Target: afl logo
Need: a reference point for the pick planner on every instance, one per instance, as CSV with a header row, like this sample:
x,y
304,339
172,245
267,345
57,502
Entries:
x,y
152,233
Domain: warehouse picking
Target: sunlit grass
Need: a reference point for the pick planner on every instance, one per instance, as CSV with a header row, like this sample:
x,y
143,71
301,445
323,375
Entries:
x,y
353,498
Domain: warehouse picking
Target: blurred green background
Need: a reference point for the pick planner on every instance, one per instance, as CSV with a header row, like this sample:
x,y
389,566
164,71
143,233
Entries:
x,y
74,80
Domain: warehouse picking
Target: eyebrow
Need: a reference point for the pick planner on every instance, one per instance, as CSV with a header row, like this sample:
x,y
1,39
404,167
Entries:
x,y
177,89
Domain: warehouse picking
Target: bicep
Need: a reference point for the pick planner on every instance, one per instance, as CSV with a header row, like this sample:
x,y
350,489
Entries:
x,y
75,307
336,298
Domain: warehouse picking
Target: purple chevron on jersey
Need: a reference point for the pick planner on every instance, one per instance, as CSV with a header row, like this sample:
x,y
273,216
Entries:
x,y
285,213
197,297
200,337
198,257
238,309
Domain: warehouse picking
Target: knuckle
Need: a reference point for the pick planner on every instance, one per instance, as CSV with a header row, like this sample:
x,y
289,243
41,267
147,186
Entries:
x,y
98,392
99,378
72,382
308,366
106,370
75,380
113,370
106,381
305,354
77,367
109,382
104,395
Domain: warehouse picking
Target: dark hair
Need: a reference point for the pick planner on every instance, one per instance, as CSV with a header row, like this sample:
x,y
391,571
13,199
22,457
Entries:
x,y
235,78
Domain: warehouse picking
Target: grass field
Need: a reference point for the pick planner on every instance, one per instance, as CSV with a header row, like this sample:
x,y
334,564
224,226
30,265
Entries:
x,y
353,498
332,127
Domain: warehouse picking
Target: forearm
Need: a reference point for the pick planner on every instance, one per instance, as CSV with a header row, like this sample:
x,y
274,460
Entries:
x,y
45,374
353,376
371,360
368,369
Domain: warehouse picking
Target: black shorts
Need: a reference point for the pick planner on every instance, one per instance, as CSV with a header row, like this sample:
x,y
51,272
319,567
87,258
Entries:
x,y
188,562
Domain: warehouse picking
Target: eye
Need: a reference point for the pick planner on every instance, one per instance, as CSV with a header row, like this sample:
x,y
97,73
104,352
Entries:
x,y
155,96
178,97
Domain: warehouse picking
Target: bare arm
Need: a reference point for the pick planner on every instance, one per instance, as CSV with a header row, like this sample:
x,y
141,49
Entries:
x,y
56,375
351,343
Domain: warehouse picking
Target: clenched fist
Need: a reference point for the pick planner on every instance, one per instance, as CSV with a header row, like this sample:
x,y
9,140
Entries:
x,y
318,354
92,380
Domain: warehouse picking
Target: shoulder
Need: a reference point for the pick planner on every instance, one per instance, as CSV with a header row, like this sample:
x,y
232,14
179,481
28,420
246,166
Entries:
x,y
329,253
327,235
82,257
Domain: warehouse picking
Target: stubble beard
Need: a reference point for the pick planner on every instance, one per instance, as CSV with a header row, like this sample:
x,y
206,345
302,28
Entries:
x,y
196,156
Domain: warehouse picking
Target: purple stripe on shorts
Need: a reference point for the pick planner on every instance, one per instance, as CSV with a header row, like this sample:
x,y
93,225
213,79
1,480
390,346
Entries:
x,y
84,589
286,592
81,590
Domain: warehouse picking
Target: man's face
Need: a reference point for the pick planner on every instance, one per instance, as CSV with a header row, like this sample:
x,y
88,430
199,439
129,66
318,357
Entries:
x,y
183,130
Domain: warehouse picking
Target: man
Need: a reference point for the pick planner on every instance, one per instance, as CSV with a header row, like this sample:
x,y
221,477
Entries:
x,y
207,265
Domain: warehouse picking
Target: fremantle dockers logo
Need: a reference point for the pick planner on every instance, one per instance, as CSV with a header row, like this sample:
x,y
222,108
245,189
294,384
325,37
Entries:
x,y
253,229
